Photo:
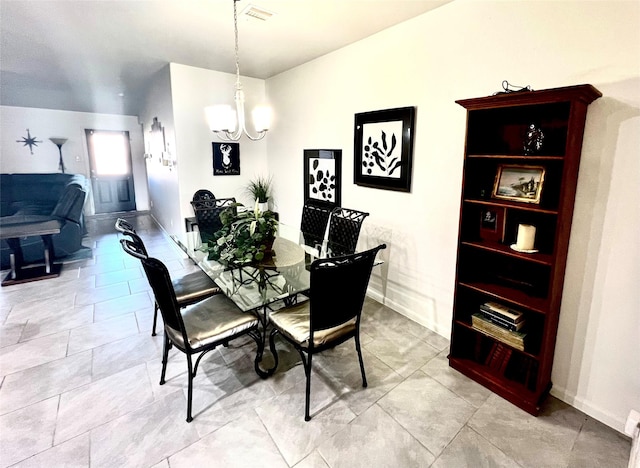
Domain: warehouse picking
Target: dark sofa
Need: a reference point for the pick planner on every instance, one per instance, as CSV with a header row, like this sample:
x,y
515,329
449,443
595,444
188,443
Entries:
x,y
37,198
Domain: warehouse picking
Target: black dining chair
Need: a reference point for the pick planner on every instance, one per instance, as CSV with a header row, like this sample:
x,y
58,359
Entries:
x,y
208,215
196,329
314,223
203,194
344,230
331,315
189,288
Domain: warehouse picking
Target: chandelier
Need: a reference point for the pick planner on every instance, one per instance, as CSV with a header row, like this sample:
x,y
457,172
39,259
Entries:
x,y
229,125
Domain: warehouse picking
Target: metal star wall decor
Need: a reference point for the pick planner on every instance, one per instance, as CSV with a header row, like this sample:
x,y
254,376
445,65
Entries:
x,y
29,141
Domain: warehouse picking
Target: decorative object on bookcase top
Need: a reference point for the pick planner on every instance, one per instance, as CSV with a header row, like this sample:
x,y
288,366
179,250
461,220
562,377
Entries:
x,y
519,183
508,88
533,139
515,339
29,141
526,239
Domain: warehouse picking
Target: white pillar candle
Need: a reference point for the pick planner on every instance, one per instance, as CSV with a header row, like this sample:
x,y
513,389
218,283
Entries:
x,y
526,236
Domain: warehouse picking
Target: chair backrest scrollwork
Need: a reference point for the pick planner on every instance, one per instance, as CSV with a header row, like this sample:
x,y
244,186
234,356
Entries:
x,y
203,194
208,215
314,223
344,230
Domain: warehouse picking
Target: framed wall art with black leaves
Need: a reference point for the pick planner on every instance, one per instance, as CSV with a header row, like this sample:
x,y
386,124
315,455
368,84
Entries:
x,y
323,176
383,145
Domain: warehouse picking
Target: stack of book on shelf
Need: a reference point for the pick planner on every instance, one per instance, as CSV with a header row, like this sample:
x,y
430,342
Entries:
x,y
502,323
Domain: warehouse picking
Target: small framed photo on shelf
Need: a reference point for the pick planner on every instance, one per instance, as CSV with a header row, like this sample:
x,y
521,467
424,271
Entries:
x,y
519,183
492,224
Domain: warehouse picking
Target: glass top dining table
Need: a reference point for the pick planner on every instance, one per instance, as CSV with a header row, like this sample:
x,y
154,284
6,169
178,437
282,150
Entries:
x,y
256,287
252,286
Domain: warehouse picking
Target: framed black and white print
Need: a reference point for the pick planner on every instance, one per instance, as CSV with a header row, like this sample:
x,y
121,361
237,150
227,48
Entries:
x,y
383,146
323,176
226,158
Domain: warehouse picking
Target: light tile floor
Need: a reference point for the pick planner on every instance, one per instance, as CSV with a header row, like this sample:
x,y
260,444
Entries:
x,y
80,375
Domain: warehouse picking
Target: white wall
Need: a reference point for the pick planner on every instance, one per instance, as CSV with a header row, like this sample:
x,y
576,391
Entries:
x,y
178,96
462,50
163,180
46,123
192,90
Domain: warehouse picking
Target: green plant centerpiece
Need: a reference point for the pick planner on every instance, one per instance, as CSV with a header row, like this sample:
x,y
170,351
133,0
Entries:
x,y
260,188
245,237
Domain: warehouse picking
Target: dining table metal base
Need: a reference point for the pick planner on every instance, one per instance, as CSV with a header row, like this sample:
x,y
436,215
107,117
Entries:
x,y
261,334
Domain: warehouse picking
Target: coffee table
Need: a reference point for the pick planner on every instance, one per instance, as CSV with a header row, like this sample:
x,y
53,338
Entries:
x,y
28,226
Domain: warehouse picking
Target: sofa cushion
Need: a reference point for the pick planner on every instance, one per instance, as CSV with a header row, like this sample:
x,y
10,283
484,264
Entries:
x,y
32,207
39,187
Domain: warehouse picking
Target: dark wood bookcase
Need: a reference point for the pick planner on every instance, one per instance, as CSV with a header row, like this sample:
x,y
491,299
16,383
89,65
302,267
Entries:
x,y
488,268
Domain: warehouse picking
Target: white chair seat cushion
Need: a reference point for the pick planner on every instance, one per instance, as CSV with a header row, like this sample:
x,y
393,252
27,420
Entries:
x,y
193,287
213,320
294,323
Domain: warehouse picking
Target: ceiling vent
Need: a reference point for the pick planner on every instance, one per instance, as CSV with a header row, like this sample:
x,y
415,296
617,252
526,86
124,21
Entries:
x,y
253,11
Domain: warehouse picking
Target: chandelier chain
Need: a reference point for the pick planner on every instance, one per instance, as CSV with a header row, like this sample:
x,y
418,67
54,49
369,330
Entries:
x,y
220,117
237,48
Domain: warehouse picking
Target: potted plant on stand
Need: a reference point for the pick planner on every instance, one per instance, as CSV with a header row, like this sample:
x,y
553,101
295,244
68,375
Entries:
x,y
260,189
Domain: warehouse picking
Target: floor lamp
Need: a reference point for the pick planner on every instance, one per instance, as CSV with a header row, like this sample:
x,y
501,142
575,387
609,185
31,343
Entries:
x,y
59,142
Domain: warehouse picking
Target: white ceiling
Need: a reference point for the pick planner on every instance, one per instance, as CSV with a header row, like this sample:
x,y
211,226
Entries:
x,y
81,54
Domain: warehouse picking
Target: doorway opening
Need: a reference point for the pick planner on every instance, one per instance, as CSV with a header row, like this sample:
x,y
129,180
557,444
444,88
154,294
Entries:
x,y
111,170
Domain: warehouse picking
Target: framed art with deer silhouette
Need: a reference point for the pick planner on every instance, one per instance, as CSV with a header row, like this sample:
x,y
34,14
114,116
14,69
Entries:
x,y
226,158
383,148
323,176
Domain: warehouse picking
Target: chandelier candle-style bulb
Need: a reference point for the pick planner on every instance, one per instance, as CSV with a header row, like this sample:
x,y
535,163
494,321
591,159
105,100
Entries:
x,y
227,124
221,118
261,118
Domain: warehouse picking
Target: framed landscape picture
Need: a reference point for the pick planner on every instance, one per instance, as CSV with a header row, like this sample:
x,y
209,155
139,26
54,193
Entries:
x,y
383,145
519,183
226,158
323,176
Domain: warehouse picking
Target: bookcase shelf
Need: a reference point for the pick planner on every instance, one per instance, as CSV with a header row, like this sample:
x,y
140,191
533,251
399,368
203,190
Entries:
x,y
488,268
497,247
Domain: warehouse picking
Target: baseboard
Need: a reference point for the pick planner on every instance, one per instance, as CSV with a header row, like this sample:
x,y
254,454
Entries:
x,y
377,296
116,214
605,417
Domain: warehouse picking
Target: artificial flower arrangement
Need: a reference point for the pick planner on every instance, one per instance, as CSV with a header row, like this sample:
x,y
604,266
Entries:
x,y
245,236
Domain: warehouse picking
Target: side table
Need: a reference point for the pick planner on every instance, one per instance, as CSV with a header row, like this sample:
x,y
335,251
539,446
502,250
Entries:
x,y
190,223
